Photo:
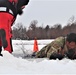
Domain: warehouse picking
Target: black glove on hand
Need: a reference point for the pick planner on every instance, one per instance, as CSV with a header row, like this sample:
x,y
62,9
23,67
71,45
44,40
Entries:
x,y
71,54
56,55
20,4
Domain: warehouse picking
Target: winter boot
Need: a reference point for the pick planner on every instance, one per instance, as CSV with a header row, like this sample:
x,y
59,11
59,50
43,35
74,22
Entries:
x,y
1,51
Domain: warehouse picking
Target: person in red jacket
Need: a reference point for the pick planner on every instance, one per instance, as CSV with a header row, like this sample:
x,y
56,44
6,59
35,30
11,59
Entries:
x,y
9,9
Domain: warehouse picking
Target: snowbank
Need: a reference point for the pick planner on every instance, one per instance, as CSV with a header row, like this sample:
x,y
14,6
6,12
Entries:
x,y
10,64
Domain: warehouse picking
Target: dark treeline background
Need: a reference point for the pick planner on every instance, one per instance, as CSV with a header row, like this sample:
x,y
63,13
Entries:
x,y
48,32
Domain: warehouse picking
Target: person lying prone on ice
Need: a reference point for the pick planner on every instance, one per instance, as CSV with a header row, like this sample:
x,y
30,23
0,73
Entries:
x,y
59,48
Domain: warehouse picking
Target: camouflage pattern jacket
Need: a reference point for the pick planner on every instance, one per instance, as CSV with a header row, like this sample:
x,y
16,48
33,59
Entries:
x,y
56,46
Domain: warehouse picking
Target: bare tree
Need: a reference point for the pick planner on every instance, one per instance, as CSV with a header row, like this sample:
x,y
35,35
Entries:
x,y
71,20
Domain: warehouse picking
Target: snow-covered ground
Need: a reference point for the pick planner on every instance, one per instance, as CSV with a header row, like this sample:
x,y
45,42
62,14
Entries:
x,y
16,64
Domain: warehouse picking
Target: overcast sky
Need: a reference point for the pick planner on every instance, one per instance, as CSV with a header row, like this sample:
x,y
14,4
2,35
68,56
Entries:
x,y
48,12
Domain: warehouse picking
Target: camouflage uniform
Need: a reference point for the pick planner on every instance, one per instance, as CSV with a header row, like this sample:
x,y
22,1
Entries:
x,y
56,46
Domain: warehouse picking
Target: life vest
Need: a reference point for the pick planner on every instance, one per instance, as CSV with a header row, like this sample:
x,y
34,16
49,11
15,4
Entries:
x,y
8,5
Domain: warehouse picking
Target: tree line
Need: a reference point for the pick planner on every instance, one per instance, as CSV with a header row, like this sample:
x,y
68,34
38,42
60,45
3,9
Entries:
x,y
48,32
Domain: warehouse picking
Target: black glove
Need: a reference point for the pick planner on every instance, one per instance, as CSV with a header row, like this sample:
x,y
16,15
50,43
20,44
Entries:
x,y
71,54
20,4
56,55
